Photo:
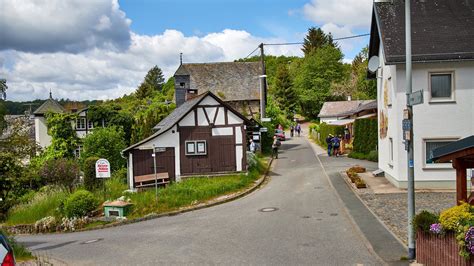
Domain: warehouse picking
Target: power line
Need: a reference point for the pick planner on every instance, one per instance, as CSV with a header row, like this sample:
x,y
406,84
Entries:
x,y
335,39
252,52
299,43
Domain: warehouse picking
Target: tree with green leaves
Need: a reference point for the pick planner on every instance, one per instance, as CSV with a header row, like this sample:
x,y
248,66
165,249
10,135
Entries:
x,y
314,77
3,110
148,117
152,83
284,92
64,140
315,39
106,115
105,143
356,83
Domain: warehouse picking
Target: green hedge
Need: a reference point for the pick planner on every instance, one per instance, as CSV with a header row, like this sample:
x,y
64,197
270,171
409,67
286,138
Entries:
x,y
365,135
325,130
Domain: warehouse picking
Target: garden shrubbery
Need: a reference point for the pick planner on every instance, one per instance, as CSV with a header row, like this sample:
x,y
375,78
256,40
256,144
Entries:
x,y
457,219
365,140
79,204
90,181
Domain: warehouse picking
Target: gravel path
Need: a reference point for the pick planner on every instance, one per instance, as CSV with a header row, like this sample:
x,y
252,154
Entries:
x,y
392,208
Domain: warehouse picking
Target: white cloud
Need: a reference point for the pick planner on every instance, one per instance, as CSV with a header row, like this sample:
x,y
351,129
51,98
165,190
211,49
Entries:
x,y
100,73
353,13
58,25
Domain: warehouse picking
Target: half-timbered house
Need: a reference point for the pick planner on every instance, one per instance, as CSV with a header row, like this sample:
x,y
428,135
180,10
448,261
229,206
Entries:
x,y
203,136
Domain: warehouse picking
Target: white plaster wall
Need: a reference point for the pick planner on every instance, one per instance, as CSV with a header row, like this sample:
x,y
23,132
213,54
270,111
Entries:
x,y
233,119
211,112
431,120
202,121
222,131
169,140
238,135
220,120
209,101
41,132
239,153
82,134
188,120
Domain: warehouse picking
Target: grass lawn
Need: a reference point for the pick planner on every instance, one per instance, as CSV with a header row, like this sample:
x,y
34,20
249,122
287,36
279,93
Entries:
x,y
188,192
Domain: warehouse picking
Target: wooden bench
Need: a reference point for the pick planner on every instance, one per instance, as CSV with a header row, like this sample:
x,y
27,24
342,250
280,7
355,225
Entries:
x,y
149,180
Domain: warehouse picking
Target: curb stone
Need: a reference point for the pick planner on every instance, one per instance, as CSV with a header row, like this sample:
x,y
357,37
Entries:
x,y
210,203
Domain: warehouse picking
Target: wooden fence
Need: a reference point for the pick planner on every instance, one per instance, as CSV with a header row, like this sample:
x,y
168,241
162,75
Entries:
x,y
439,250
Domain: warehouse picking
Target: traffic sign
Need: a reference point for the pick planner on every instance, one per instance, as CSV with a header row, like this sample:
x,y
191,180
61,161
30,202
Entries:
x,y
415,98
406,124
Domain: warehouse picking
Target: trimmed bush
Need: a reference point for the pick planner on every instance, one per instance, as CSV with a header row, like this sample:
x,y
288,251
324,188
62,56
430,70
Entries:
x,y
424,220
62,172
79,204
365,135
360,183
90,181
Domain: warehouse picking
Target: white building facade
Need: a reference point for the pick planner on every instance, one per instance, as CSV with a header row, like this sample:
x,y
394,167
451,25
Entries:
x,y
446,115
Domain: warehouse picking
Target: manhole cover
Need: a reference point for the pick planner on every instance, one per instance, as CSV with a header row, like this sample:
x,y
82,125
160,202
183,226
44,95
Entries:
x,y
268,209
333,214
91,241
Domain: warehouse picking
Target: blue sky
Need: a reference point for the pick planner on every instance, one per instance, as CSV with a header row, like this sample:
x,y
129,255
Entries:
x,y
102,49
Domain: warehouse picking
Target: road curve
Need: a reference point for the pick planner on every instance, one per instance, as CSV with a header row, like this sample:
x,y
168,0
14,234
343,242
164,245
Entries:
x,y
309,227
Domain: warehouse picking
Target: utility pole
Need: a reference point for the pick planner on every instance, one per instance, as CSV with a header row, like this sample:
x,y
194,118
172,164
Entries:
x,y
156,176
263,84
410,162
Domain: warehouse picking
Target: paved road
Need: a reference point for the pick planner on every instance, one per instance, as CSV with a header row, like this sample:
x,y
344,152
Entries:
x,y
310,227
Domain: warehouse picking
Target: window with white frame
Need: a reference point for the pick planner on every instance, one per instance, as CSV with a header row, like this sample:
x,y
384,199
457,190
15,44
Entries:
x,y
77,152
390,148
90,124
432,144
196,147
81,123
442,86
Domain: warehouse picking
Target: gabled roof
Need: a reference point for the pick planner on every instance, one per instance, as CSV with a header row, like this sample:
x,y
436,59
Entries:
x,y
442,30
50,105
343,108
231,81
179,113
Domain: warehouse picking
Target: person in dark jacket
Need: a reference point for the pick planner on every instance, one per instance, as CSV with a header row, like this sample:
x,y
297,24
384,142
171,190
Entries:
x,y
329,143
336,143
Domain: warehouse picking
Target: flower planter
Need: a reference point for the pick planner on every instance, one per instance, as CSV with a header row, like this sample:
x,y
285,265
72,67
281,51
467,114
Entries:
x,y
439,250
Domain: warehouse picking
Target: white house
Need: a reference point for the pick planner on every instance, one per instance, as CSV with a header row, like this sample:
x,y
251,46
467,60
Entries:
x,y
82,125
204,135
443,67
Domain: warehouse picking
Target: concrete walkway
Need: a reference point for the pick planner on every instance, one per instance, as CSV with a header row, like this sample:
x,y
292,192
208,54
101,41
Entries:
x,y
384,243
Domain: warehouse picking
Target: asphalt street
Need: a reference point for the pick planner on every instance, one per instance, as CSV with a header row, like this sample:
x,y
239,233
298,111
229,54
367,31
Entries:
x,y
310,226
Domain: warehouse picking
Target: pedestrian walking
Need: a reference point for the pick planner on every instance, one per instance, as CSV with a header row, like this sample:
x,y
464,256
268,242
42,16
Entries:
x,y
292,130
252,146
276,143
298,129
329,143
336,143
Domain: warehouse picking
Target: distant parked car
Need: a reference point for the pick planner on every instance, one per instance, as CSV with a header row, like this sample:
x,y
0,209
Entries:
x,y
6,252
280,134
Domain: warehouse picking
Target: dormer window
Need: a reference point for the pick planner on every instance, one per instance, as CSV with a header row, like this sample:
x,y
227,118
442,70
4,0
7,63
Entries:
x,y
182,84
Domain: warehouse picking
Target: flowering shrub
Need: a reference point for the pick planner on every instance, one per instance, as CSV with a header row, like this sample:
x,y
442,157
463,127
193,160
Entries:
x,y
424,220
469,239
453,217
46,224
436,228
